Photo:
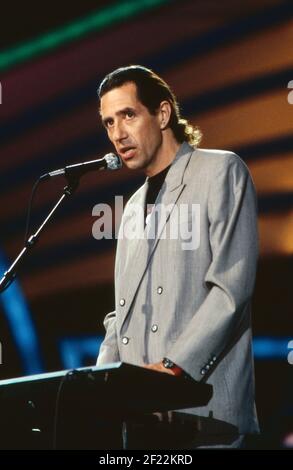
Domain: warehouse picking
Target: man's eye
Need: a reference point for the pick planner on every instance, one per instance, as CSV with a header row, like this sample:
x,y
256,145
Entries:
x,y
129,114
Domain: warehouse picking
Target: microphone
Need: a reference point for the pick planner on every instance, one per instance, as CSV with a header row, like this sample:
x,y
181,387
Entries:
x,y
109,162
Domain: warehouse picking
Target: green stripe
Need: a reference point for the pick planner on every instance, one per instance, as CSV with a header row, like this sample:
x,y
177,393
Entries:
x,y
97,21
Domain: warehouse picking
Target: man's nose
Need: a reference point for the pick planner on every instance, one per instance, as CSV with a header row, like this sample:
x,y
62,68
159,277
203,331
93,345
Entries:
x,y
119,132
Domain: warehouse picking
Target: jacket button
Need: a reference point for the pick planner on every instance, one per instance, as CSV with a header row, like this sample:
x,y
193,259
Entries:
x,y
122,302
202,372
125,340
154,328
207,367
160,290
211,362
214,358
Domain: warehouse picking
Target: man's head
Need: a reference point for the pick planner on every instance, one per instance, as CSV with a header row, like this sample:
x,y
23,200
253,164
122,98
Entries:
x,y
141,115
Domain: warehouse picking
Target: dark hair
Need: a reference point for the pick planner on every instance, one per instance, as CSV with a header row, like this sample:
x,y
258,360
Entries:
x,y
151,91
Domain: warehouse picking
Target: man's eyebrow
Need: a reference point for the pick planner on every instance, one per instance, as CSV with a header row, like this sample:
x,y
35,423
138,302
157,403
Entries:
x,y
118,113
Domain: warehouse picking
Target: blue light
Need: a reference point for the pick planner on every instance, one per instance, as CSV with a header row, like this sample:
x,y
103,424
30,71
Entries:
x,y
21,325
74,350
270,347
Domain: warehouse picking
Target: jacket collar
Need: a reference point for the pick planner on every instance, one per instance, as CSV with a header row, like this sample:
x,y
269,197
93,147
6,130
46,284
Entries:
x,y
175,175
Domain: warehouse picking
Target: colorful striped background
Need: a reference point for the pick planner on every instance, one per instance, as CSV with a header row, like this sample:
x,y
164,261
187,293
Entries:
x,y
229,64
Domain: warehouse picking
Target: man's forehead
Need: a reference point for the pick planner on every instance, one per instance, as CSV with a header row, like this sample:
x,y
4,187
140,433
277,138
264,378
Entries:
x,y
120,97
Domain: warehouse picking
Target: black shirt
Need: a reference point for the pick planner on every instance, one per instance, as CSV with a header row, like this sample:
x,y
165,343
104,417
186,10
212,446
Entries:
x,y
154,185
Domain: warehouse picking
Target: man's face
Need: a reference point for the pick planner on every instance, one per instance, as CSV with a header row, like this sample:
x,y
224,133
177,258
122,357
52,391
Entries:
x,y
135,133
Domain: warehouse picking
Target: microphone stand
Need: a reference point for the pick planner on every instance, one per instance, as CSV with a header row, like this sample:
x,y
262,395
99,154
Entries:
x,y
11,273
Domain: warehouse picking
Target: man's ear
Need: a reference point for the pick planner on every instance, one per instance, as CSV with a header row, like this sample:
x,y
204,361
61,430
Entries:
x,y
164,114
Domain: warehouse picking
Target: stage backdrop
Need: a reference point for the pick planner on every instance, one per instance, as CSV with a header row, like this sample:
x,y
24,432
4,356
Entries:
x,y
231,67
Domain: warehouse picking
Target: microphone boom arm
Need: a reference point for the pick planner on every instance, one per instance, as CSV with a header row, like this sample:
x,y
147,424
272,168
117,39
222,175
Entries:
x,y
11,273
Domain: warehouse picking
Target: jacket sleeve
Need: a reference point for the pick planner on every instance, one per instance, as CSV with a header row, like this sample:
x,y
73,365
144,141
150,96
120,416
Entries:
x,y
109,349
230,277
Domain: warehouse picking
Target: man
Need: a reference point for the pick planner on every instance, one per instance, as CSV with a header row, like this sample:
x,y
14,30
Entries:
x,y
182,306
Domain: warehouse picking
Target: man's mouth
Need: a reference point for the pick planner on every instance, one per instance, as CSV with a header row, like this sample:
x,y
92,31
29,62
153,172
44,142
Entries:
x,y
127,152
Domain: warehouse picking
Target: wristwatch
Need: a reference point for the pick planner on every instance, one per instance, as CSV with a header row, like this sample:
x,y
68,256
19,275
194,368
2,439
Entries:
x,y
168,363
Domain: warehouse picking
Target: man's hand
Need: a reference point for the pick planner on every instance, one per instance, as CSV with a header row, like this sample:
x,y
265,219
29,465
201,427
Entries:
x,y
160,368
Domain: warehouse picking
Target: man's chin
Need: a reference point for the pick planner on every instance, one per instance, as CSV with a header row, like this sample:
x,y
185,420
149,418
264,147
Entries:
x,y
133,164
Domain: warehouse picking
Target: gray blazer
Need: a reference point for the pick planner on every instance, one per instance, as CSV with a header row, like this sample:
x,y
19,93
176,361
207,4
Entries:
x,y
188,299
